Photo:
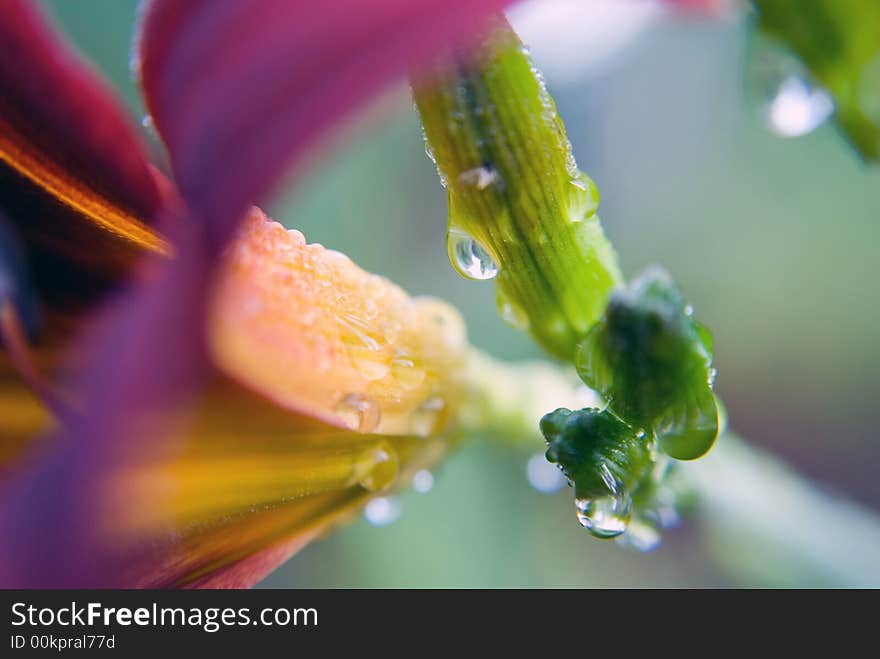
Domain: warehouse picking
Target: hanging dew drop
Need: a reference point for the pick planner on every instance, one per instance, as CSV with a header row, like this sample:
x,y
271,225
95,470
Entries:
x,y
359,412
382,511
147,121
544,476
798,107
791,102
468,257
606,516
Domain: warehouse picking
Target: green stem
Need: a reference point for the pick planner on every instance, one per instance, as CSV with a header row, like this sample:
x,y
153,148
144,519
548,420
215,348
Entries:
x,y
513,186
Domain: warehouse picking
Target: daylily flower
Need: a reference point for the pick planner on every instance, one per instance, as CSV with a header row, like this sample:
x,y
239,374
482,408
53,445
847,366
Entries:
x,y
189,393
203,395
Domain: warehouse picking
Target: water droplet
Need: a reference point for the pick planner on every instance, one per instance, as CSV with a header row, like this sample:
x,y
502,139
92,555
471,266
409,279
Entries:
x,y
543,475
429,151
147,121
407,372
583,197
797,107
359,412
363,350
606,516
481,177
423,481
381,464
428,417
468,257
382,511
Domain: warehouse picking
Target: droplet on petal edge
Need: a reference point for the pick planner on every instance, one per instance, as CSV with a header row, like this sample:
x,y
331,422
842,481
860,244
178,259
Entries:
x,y
407,371
468,257
381,466
604,517
359,412
382,511
544,476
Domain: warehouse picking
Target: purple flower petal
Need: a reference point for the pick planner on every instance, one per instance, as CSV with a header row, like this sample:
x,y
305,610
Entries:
x,y
242,91
239,92
69,157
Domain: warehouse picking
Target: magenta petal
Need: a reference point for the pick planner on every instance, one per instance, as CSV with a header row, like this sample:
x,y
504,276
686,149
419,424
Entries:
x,y
53,103
240,91
148,365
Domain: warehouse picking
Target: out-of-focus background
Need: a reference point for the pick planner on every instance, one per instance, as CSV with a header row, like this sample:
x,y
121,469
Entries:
x,y
773,240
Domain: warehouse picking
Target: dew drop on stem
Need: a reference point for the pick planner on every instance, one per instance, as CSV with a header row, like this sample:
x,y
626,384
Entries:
x,y
468,257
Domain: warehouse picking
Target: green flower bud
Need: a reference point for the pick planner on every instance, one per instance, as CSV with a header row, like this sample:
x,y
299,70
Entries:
x,y
599,453
653,363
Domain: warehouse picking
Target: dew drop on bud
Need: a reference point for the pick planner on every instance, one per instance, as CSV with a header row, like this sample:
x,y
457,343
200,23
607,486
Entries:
x,y
468,257
382,511
606,516
358,412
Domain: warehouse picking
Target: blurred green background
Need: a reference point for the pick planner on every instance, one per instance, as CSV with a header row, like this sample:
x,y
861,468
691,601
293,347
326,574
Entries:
x,y
773,240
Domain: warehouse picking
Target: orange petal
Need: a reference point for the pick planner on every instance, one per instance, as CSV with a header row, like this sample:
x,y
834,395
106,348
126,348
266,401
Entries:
x,y
309,329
